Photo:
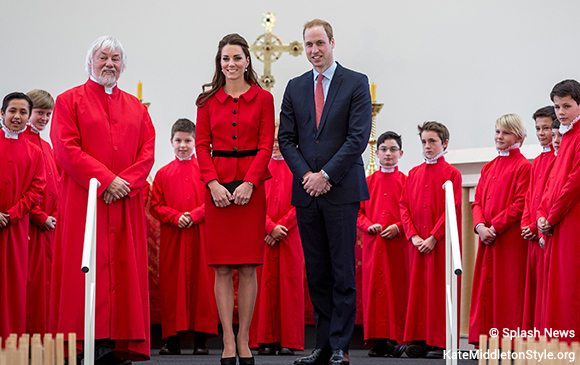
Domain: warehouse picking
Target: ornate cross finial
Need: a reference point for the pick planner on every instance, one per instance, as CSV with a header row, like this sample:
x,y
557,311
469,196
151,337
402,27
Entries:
x,y
268,48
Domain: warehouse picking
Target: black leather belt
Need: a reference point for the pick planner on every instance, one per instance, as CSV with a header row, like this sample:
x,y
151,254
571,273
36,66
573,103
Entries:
x,y
236,154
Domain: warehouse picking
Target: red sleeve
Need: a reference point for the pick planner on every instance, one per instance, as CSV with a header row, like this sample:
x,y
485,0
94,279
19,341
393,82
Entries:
x,y
66,140
137,173
406,220
38,216
525,222
569,195
159,208
198,214
203,140
259,165
477,206
270,224
289,219
439,230
363,222
512,214
33,194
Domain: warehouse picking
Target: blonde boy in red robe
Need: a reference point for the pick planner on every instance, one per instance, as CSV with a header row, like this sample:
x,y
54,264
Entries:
x,y
42,219
385,253
186,281
558,216
23,179
497,295
279,314
541,167
423,215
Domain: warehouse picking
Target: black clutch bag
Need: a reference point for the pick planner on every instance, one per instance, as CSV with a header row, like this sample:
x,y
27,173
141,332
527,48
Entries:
x,y
231,187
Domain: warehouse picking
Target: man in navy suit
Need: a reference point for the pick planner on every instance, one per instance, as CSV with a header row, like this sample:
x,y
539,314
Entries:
x,y
325,124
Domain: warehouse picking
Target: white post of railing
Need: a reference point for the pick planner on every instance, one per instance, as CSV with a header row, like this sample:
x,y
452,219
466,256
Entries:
x,y
452,267
88,266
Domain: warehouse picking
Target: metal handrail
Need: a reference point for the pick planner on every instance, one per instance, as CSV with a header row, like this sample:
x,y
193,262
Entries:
x,y
88,266
453,266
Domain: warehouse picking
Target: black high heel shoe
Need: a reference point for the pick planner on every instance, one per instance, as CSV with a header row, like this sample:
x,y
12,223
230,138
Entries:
x,y
247,360
228,361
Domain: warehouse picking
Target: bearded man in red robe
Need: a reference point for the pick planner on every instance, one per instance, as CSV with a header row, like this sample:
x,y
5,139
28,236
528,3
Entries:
x,y
102,132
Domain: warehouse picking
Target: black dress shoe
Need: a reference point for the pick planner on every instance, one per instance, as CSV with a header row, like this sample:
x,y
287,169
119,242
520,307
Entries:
x,y
168,350
416,350
200,344
171,347
111,359
267,349
228,361
285,351
383,348
399,350
435,353
200,350
339,357
317,357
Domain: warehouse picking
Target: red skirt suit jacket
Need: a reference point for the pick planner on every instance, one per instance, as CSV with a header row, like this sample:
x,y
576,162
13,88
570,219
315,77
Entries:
x,y
235,234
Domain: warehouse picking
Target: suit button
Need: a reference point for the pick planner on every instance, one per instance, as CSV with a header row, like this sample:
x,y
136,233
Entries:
x,y
235,149
235,100
234,136
234,123
317,141
235,112
313,160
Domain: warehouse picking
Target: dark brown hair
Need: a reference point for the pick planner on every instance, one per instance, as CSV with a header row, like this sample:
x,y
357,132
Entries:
x,y
183,125
219,79
437,127
565,88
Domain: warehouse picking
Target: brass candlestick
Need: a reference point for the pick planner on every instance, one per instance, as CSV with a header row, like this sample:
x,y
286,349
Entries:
x,y
372,166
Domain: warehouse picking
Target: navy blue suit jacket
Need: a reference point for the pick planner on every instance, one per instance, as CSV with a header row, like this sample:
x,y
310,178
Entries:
x,y
336,146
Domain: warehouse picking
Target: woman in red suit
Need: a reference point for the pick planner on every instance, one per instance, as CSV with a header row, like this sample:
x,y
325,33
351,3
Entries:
x,y
235,134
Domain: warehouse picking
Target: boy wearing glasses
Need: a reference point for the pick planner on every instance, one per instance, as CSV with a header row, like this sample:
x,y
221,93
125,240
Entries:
x,y
385,253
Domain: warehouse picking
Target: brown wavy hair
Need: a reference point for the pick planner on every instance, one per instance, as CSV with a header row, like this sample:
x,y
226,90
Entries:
x,y
219,79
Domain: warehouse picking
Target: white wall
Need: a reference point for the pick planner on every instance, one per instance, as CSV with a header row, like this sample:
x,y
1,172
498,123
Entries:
x,y
461,62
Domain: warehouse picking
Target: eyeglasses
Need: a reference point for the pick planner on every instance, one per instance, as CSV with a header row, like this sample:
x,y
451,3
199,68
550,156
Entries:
x,y
392,149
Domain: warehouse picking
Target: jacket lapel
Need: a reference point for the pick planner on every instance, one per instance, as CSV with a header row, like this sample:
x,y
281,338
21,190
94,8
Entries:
x,y
332,91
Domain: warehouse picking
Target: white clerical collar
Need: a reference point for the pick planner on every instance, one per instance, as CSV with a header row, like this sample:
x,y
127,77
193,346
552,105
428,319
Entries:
x,y
185,158
567,128
506,152
388,169
278,158
547,148
33,128
431,161
8,133
555,152
108,90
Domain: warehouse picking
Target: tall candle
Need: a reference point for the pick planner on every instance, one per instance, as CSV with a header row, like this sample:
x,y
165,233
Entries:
x,y
374,92
140,90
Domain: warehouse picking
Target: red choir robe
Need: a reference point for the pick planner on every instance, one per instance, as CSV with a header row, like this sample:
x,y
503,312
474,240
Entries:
x,y
186,281
385,263
423,212
497,295
22,175
539,173
279,311
561,206
41,242
98,135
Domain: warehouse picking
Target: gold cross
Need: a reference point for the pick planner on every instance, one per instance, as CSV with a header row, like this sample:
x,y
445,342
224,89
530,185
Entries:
x,y
268,48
